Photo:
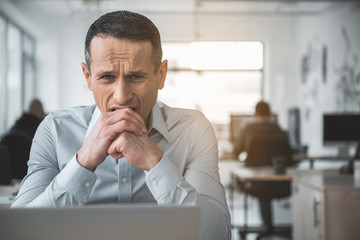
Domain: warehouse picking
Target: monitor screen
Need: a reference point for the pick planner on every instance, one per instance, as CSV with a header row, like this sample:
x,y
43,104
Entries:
x,y
238,122
341,129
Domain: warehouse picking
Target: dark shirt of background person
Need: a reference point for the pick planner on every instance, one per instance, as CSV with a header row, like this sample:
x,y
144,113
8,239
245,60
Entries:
x,y
18,139
262,125
30,120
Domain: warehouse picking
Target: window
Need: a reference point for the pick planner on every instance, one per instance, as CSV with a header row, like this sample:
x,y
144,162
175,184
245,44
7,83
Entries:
x,y
2,75
217,78
13,78
17,72
28,63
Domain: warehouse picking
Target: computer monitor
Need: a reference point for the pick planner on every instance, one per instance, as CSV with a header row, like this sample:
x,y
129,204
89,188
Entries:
x,y
342,130
238,122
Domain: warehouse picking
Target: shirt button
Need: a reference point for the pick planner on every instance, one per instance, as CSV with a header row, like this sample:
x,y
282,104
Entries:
x,y
87,184
154,183
124,180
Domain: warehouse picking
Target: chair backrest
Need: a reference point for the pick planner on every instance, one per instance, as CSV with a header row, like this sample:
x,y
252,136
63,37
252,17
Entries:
x,y
263,148
5,165
18,145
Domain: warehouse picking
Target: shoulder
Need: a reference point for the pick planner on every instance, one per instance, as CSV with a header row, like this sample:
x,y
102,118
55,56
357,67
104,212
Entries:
x,y
174,116
79,114
251,127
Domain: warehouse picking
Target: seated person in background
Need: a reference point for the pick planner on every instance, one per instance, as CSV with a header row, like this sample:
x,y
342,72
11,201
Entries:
x,y
30,120
128,148
264,128
262,141
18,138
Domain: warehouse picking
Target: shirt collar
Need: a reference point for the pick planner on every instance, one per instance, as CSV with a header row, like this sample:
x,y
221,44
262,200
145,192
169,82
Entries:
x,y
94,118
156,122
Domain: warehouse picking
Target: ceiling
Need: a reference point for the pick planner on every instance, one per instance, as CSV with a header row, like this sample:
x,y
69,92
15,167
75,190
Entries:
x,y
82,8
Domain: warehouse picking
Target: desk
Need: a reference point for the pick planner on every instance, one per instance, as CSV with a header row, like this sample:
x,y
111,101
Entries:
x,y
7,192
325,206
253,174
312,159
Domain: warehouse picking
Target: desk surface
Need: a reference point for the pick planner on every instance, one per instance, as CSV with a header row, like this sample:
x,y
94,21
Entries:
x,y
7,193
265,173
323,157
320,179
327,180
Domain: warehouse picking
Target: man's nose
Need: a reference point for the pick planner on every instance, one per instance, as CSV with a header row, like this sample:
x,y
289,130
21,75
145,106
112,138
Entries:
x,y
122,92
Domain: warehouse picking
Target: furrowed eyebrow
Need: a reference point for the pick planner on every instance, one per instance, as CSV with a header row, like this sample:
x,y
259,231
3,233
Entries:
x,y
107,73
141,73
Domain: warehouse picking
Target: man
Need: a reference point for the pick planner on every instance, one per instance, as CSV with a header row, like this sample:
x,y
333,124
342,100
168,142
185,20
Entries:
x,y
262,140
263,125
18,139
30,120
127,148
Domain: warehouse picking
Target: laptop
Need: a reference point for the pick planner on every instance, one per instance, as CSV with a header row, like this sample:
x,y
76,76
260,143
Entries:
x,y
128,222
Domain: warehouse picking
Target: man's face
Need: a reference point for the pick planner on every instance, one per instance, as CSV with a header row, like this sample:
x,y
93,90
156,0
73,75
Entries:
x,y
123,75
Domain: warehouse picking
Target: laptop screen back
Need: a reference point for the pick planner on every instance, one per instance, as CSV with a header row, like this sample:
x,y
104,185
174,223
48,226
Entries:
x,y
130,222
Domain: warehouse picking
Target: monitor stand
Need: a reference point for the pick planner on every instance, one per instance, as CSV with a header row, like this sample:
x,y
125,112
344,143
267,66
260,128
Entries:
x,y
344,151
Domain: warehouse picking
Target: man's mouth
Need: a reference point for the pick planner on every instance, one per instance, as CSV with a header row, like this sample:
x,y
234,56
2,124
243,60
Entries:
x,y
113,109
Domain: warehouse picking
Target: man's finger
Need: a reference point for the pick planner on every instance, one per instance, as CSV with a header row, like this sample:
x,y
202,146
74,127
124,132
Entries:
x,y
125,114
124,126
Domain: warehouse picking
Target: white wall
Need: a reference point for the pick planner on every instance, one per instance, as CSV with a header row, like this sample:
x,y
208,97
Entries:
x,y
319,96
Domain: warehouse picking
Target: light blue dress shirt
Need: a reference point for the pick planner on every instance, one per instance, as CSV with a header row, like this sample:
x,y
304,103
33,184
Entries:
x,y
187,173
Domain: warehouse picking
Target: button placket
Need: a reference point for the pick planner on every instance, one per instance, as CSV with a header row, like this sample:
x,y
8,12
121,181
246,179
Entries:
x,y
124,179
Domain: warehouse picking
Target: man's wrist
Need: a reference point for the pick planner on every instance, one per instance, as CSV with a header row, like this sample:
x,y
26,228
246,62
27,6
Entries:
x,y
154,161
83,163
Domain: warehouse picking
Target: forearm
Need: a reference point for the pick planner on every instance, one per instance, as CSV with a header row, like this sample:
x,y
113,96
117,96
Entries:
x,y
169,187
214,218
48,188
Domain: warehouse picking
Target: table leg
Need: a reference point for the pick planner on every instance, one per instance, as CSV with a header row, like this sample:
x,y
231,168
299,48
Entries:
x,y
311,163
232,197
245,213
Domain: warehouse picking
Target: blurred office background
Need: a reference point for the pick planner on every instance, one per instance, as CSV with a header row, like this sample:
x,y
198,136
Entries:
x,y
303,57
223,56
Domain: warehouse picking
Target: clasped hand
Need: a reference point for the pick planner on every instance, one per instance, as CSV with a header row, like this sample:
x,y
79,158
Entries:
x,y
119,133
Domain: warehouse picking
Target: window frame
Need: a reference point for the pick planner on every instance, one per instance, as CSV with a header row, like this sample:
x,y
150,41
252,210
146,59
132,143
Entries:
x,y
4,57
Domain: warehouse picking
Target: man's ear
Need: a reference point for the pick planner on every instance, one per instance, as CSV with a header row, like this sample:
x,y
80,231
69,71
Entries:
x,y
162,73
86,75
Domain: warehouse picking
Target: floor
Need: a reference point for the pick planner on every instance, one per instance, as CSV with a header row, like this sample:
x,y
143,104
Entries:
x,y
281,208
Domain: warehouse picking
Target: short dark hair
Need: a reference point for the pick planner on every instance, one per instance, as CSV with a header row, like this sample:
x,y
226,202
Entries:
x,y
262,108
125,25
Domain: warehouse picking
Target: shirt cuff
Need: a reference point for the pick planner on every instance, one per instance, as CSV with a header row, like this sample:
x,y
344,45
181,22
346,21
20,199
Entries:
x,y
163,178
76,180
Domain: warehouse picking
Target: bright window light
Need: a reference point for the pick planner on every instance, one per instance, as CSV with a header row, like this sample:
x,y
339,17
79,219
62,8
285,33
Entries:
x,y
226,55
217,78
217,55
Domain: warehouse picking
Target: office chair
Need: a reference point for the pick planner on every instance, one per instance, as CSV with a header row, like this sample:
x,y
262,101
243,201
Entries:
x,y
18,144
5,166
262,149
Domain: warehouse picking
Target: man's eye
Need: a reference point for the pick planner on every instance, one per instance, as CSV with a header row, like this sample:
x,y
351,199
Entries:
x,y
135,77
108,77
